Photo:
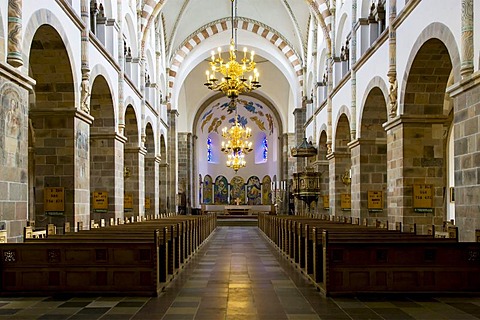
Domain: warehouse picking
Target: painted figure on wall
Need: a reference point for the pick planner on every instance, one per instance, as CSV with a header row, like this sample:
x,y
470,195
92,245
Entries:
x,y
221,190
237,191
12,131
254,191
266,190
207,190
12,120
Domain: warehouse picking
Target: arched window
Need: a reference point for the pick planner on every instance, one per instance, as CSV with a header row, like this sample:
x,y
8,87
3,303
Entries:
x,y
209,150
265,149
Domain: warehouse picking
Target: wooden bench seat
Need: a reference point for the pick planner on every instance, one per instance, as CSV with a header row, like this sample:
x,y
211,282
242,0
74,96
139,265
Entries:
x,y
146,255
91,266
342,257
353,264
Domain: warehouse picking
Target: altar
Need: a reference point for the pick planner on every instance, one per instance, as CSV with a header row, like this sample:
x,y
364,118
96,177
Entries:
x,y
237,209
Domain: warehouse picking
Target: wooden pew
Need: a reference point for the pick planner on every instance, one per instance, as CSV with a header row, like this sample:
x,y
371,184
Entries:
x,y
93,266
401,261
138,253
354,264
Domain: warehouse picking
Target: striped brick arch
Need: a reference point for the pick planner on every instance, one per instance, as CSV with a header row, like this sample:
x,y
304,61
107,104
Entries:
x,y
324,15
151,8
245,24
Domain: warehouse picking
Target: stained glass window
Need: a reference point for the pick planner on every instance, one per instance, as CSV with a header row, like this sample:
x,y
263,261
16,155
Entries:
x,y
265,149
209,150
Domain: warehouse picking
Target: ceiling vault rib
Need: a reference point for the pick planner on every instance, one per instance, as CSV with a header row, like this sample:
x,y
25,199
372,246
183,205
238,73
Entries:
x,y
175,26
243,19
303,41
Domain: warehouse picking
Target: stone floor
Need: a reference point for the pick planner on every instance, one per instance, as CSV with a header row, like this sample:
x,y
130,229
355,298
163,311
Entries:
x,y
239,275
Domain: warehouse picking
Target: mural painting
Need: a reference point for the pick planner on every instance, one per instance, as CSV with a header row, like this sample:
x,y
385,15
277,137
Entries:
x,y
213,118
221,190
254,193
207,190
237,191
12,127
266,190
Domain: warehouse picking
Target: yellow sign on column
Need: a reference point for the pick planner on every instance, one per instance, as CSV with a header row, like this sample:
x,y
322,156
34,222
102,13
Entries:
x,y
375,201
346,201
128,202
54,201
326,202
147,203
100,201
423,198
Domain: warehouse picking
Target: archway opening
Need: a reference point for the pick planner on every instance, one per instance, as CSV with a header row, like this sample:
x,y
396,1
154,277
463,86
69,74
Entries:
x,y
60,150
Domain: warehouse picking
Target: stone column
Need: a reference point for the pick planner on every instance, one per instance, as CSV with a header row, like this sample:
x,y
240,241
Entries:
x,y
392,57
15,167
466,97
135,181
106,172
467,38
329,79
152,183
118,192
14,56
163,188
338,163
85,85
415,155
185,165
353,73
172,183
300,118
121,74
369,169
288,141
81,161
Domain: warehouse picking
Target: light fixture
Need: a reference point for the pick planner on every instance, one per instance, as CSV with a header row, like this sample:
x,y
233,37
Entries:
x,y
237,77
236,145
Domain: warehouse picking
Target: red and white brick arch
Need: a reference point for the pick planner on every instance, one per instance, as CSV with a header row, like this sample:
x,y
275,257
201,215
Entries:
x,y
244,24
151,8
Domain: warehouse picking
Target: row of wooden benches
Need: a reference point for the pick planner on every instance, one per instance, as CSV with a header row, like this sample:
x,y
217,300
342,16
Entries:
x,y
31,232
136,258
342,257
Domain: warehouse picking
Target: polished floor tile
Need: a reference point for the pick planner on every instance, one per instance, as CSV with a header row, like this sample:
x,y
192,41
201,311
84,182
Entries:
x,y
238,274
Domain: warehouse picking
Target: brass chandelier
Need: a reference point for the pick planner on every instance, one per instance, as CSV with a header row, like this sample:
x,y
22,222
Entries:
x,y
237,145
237,77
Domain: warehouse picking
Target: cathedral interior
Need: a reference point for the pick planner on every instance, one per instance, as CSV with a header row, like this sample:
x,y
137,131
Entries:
x,y
234,116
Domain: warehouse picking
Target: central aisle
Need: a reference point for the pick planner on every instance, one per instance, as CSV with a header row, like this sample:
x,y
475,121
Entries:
x,y
237,275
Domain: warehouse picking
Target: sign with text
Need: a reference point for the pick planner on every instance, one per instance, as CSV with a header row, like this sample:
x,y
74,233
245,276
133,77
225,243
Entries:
x,y
346,201
326,202
147,203
375,201
54,201
423,198
100,201
128,202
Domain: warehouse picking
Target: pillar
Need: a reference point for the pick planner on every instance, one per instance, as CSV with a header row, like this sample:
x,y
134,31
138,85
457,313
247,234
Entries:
x,y
172,183
14,56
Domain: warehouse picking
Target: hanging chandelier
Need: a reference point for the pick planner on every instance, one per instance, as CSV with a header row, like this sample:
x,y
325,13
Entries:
x,y
237,144
237,77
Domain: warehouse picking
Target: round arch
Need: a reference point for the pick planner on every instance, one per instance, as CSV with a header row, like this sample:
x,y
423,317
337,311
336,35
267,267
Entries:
x,y
435,30
375,82
46,17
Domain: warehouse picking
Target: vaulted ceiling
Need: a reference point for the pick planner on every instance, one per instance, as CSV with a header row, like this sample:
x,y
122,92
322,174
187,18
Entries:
x,y
277,30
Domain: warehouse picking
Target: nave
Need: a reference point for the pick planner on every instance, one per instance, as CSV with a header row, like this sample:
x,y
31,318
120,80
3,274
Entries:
x,y
238,274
